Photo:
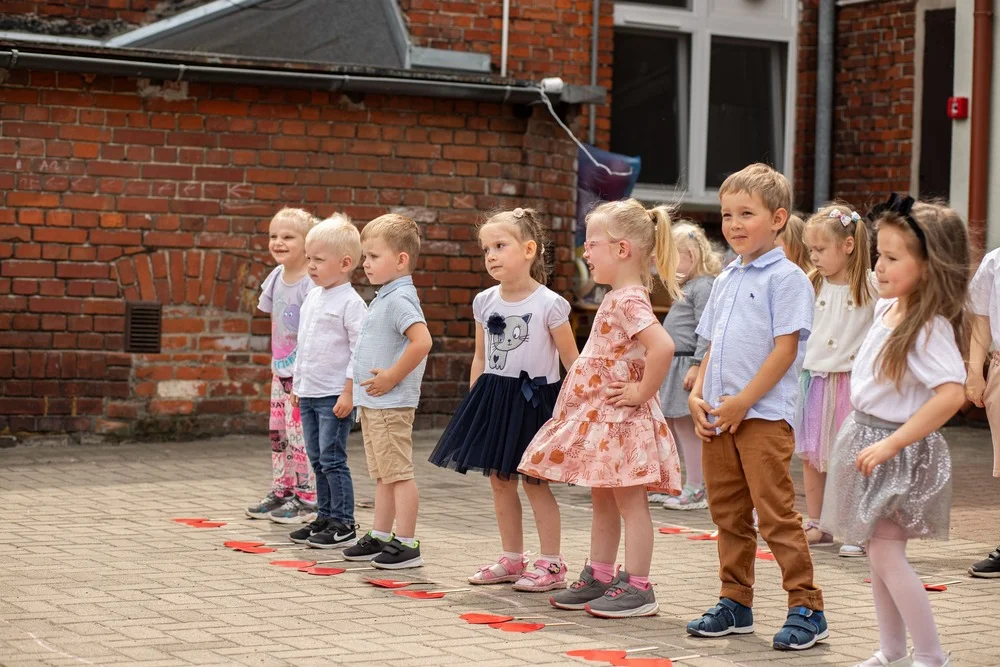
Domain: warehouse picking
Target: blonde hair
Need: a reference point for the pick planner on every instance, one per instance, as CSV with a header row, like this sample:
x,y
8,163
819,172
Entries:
x,y
830,219
689,236
400,233
943,286
761,180
525,224
339,234
648,230
301,221
795,247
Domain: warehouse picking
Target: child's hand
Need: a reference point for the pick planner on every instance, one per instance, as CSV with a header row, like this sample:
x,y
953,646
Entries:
x,y
871,456
730,413
689,378
344,405
381,384
699,413
295,400
975,385
624,394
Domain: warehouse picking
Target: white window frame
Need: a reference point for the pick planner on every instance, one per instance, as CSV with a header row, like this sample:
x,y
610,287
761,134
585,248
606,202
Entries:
x,y
702,22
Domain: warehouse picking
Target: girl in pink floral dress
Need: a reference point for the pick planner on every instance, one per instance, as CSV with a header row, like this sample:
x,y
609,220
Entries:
x,y
607,431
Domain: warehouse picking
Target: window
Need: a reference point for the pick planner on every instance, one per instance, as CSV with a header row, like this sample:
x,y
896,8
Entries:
x,y
695,98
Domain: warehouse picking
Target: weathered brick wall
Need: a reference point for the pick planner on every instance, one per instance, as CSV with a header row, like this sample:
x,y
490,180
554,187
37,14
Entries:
x,y
546,38
873,101
111,189
78,14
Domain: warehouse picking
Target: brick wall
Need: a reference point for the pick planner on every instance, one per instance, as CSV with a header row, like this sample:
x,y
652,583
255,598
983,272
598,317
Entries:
x,y
112,189
873,101
76,14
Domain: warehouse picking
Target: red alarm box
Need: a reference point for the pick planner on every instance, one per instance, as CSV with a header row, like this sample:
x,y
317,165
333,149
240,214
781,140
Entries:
x,y
958,108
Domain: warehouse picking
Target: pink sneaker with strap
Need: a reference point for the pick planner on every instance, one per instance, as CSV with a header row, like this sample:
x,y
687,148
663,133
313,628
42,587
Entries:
x,y
544,576
503,571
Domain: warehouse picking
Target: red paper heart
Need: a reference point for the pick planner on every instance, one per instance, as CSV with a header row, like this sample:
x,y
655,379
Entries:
x,y
764,555
323,571
389,583
672,530
207,524
297,564
935,587
485,619
237,544
518,627
420,595
704,537
597,655
255,550
643,662
189,520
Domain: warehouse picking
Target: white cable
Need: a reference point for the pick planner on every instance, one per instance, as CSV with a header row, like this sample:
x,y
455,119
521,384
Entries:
x,y
548,103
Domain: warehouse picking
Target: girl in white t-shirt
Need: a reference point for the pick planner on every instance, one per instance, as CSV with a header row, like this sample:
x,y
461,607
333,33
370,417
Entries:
x,y
522,333
838,245
889,478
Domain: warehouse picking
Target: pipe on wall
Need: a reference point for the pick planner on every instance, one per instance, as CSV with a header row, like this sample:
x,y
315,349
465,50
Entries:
x,y
594,34
504,36
979,161
826,28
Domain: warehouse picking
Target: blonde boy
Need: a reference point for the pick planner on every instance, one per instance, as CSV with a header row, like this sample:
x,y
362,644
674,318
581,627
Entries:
x,y
388,369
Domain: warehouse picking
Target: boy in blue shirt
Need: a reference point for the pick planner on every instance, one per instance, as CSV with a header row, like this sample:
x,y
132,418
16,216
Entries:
x,y
743,405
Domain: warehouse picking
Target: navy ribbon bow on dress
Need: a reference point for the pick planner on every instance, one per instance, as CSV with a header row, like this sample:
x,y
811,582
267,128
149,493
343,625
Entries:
x,y
530,387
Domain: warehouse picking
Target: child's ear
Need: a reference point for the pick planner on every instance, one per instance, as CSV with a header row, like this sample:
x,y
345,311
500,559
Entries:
x,y
530,248
402,260
624,249
849,245
347,264
780,218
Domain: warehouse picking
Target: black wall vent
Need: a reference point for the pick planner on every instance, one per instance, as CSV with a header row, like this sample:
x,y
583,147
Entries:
x,y
143,326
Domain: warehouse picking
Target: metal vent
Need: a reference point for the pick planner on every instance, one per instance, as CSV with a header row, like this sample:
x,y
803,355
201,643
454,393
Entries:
x,y
143,326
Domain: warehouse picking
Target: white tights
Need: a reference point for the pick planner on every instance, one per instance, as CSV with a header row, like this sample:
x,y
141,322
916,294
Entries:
x,y
901,602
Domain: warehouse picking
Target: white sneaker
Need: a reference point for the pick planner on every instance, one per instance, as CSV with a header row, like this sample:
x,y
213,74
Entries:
x,y
691,498
852,551
882,661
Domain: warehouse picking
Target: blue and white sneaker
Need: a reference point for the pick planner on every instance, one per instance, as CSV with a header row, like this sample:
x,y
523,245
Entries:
x,y
294,510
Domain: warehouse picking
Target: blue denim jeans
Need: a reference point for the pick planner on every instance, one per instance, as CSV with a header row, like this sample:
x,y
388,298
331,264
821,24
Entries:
x,y
326,446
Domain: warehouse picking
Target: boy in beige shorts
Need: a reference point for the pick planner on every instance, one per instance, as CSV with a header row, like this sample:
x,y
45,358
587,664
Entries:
x,y
388,368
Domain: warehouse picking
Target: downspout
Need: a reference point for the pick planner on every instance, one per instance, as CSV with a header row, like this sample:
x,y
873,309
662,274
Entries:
x,y
504,37
979,162
594,33
826,27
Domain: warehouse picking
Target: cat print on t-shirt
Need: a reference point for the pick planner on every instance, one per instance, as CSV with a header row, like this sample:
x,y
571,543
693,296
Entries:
x,y
506,334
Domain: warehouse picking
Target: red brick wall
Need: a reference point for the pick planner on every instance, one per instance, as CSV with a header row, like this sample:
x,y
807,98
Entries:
x,y
873,101
109,191
89,11
546,38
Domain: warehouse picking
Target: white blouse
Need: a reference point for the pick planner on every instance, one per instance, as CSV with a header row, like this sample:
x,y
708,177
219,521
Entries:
x,y
839,327
329,327
933,361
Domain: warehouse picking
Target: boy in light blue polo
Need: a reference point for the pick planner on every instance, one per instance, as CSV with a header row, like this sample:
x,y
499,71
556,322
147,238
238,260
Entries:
x,y
388,367
743,405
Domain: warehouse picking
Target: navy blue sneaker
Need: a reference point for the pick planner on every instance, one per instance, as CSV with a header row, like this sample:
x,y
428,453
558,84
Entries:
x,y
726,618
803,628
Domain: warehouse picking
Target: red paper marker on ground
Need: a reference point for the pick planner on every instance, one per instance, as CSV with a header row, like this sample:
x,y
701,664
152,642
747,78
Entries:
x,y
607,655
392,583
489,619
428,595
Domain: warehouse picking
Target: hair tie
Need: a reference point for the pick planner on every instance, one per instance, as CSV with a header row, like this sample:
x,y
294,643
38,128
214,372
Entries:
x,y
844,218
690,235
518,212
902,207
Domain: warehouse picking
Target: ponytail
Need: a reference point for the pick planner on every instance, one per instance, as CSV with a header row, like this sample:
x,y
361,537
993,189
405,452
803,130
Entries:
x,y
665,250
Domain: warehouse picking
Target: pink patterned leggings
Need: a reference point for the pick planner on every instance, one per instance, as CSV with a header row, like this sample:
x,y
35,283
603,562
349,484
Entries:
x,y
289,463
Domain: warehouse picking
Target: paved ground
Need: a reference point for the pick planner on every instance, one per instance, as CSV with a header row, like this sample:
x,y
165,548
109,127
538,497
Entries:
x,y
94,572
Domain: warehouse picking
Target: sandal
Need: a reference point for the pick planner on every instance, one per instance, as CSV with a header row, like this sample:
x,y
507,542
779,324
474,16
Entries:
x,y
544,576
501,572
817,537
803,628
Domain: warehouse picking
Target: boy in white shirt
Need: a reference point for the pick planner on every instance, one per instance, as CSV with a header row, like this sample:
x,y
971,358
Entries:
x,y
331,319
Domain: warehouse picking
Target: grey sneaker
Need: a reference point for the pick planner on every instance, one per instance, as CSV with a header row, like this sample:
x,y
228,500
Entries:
x,y
293,511
580,592
691,498
622,600
262,509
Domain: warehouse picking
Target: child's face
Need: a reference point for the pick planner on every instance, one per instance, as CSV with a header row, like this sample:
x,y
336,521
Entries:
x,y
828,254
286,243
603,257
381,264
686,262
749,227
505,256
327,266
897,269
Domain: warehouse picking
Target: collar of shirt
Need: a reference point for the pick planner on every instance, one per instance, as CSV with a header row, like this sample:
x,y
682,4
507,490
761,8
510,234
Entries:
x,y
393,284
768,258
343,287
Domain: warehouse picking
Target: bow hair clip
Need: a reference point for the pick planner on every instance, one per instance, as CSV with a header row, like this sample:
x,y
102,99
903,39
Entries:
x,y
844,218
902,207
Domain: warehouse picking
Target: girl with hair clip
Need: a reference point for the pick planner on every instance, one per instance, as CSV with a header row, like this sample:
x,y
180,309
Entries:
x,y
522,333
838,244
791,239
697,268
607,430
889,478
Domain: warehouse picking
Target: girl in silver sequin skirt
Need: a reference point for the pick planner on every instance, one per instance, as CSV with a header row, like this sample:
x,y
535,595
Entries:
x,y
889,476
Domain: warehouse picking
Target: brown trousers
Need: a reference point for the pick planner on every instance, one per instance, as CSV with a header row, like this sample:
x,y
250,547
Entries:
x,y
748,470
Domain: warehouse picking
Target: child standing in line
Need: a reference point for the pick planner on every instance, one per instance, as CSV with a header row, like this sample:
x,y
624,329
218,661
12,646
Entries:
x,y
697,268
607,431
332,315
890,472
522,331
984,299
293,487
838,244
388,367
743,405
